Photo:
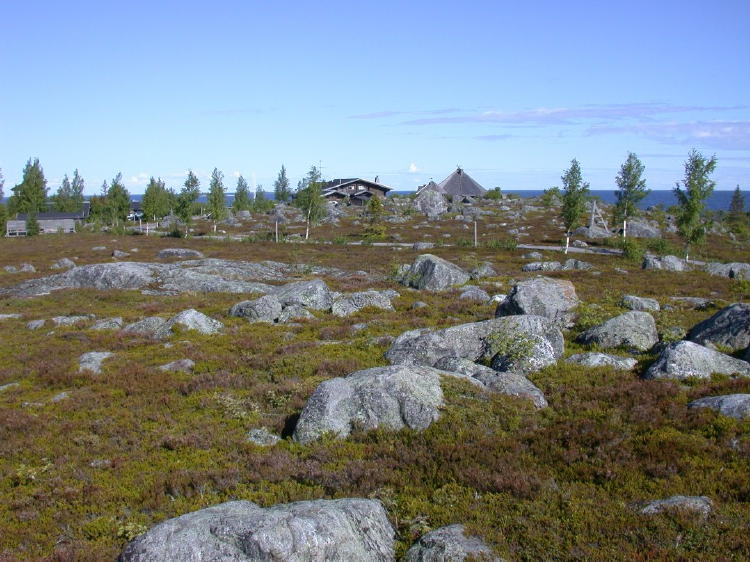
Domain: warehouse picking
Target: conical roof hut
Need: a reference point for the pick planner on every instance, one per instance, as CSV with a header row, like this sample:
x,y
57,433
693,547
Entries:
x,y
461,184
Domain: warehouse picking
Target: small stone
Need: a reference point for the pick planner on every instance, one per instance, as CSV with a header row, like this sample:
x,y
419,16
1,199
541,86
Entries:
x,y
108,324
120,254
181,365
179,253
261,436
92,361
698,504
640,303
35,324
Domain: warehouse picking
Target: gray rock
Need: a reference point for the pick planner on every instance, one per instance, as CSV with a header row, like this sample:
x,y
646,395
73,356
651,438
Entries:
x,y
579,244
667,263
264,309
418,304
532,256
181,365
484,269
421,246
640,303
733,405
70,320
313,294
92,361
146,327
349,303
261,436
594,359
189,319
479,340
60,397
35,324
63,263
696,303
729,328
736,270
632,329
295,312
393,397
448,544
512,384
474,293
27,268
432,273
120,254
542,266
108,324
98,248
640,229
179,253
698,504
592,233
552,298
240,531
684,359
576,265
431,203
13,316
8,386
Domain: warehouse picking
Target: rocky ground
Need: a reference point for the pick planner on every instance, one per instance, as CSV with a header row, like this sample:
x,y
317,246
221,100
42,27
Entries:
x,y
236,398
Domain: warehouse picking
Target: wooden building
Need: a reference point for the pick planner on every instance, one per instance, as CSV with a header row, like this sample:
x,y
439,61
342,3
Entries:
x,y
354,191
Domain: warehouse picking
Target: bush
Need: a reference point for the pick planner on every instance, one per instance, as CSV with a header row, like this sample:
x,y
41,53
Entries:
x,y
32,225
176,233
508,244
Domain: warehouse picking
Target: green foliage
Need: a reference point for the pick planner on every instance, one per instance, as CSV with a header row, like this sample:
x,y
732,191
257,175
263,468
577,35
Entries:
x,y
242,200
632,250
575,192
262,204
3,219
187,196
508,244
115,205
550,197
30,195
631,188
494,194
217,204
660,246
158,201
698,186
737,218
2,184
32,225
281,189
310,199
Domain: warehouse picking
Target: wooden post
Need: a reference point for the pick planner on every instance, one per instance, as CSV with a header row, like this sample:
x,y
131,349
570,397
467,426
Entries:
x,y
277,229
475,234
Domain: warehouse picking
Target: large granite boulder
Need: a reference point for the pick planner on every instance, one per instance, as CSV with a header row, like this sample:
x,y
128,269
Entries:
x,y
736,270
189,319
393,397
667,263
239,531
146,327
697,504
512,384
182,253
475,341
733,405
474,293
348,303
595,359
431,203
684,359
313,294
643,304
552,298
729,328
632,329
640,229
433,274
264,309
449,544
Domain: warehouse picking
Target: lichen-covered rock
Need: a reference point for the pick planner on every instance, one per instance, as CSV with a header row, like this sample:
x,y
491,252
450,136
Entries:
x,y
667,263
542,266
70,320
640,229
728,328
449,544
240,531
145,327
576,265
262,437
484,269
733,405
189,319
736,270
181,253
474,293
632,329
685,359
346,304
63,263
432,273
179,366
431,203
473,341
697,504
392,397
107,324
264,309
512,384
313,294
118,254
595,359
92,361
295,312
643,304
554,299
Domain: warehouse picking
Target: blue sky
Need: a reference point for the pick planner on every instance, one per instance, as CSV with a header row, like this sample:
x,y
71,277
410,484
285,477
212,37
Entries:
x,y
402,90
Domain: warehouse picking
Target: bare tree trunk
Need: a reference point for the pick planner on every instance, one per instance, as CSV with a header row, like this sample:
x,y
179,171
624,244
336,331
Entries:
x,y
624,228
567,242
277,232
475,234
307,224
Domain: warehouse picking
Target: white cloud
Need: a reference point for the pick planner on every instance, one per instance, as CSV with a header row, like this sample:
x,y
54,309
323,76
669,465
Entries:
x,y
413,169
236,174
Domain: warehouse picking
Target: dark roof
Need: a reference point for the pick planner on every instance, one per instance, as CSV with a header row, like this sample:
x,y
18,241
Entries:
x,y
344,182
52,215
461,183
430,186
